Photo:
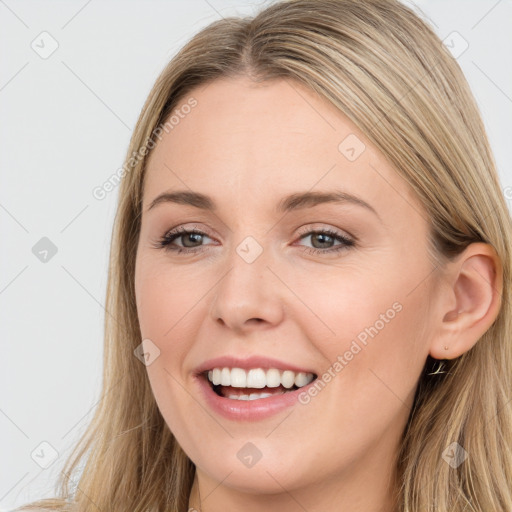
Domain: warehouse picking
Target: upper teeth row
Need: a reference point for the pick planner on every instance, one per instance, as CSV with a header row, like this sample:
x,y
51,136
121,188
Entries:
x,y
258,378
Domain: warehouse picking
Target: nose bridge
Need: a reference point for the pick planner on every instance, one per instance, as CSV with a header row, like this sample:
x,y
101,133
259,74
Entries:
x,y
248,290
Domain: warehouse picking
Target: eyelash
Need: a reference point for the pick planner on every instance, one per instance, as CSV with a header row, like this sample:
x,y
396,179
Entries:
x,y
166,241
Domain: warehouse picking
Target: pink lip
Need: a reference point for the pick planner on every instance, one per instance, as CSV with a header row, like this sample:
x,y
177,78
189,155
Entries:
x,y
247,410
248,363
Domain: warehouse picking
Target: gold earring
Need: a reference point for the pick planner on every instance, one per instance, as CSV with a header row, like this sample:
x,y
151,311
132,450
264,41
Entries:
x,y
440,366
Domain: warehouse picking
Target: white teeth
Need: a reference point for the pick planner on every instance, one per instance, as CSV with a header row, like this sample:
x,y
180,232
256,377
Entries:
x,y
288,379
225,377
215,377
301,379
273,378
252,396
238,378
258,378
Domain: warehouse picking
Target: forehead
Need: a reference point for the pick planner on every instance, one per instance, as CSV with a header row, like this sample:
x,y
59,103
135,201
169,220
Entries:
x,y
248,142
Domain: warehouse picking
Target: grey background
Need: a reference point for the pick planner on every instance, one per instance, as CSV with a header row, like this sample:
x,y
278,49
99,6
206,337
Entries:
x,y
66,121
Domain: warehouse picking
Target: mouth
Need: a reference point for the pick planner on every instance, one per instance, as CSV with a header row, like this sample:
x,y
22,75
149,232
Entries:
x,y
255,383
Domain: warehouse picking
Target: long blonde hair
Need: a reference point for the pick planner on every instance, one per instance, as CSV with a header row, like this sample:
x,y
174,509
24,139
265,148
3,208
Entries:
x,y
383,67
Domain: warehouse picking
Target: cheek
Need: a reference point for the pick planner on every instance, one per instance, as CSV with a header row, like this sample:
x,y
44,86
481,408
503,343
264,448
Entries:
x,y
171,309
377,341
162,313
164,299
379,353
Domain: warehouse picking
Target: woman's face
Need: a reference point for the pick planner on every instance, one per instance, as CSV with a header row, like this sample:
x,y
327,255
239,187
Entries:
x,y
280,285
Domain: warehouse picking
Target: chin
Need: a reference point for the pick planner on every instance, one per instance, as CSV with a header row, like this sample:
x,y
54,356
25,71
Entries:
x,y
268,475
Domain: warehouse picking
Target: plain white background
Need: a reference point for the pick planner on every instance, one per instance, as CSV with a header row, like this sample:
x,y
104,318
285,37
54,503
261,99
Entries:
x,y
66,120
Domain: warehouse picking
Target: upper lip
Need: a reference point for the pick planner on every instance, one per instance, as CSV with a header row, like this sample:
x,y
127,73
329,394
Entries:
x,y
249,363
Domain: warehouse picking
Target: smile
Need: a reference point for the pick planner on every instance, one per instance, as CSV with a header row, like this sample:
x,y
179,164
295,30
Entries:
x,y
251,388
255,383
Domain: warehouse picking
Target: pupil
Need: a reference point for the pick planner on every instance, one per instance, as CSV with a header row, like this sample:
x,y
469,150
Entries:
x,y
323,235
191,235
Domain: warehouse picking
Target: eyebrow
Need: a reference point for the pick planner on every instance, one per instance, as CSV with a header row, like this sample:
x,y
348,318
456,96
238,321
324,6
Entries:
x,y
296,201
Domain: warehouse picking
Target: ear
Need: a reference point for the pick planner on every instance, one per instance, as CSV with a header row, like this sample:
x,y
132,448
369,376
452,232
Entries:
x,y
469,301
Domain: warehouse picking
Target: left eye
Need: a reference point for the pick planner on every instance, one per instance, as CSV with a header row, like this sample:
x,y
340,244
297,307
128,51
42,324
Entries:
x,y
324,240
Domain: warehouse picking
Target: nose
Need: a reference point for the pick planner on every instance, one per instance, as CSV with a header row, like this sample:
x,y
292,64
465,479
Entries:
x,y
249,295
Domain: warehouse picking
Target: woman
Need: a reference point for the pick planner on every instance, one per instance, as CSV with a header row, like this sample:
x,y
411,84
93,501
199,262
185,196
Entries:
x,y
309,280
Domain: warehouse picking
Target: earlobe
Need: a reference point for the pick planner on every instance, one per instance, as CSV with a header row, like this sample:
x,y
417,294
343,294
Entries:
x,y
475,282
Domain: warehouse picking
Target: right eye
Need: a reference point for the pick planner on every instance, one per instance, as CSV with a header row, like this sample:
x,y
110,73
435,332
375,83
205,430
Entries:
x,y
188,236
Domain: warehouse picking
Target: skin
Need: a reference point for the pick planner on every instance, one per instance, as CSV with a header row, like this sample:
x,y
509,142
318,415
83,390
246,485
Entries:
x,y
247,145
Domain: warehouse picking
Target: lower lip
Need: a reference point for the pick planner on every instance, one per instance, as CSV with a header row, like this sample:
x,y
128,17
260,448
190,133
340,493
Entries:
x,y
248,410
